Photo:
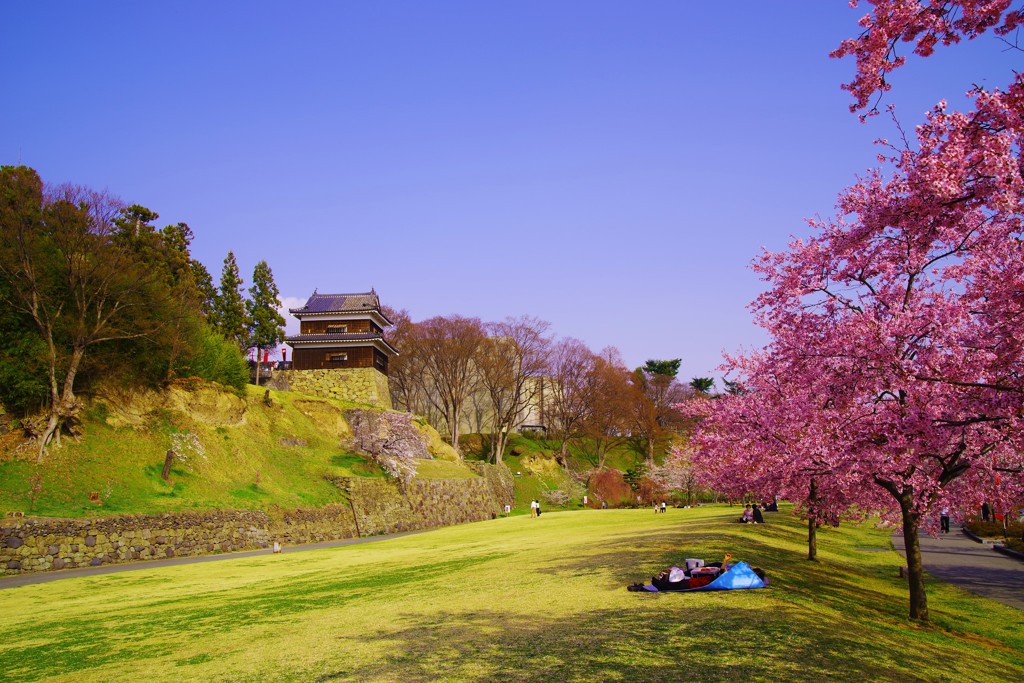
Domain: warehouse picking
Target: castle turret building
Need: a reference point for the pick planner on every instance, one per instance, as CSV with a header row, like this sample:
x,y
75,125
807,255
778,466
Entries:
x,y
341,331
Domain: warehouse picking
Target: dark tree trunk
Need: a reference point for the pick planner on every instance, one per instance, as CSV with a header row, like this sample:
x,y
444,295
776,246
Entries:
x,y
915,570
499,444
904,495
168,461
812,539
812,522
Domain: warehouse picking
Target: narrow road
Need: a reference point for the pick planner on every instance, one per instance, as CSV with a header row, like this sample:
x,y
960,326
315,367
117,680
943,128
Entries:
x,y
29,578
973,566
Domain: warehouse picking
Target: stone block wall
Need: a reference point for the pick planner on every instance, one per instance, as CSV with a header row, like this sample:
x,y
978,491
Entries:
x,y
362,385
384,506
500,478
378,506
47,544
313,525
44,544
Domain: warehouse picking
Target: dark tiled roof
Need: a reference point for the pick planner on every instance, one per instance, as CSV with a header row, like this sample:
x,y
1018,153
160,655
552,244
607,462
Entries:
x,y
340,303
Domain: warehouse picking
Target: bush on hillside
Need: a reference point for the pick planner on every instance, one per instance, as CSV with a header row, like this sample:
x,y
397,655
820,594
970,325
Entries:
x,y
649,490
23,386
556,497
572,490
218,360
610,486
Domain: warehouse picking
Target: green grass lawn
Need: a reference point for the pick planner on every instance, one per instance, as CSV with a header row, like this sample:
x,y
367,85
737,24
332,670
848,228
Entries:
x,y
517,599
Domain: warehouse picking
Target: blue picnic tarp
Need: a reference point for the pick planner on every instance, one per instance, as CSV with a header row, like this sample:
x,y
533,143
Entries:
x,y
739,576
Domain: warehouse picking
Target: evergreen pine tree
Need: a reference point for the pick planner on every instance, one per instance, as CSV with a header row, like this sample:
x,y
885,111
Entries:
x,y
207,290
266,324
229,314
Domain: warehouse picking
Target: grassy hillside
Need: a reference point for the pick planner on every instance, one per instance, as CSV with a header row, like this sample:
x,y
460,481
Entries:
x,y
518,599
255,455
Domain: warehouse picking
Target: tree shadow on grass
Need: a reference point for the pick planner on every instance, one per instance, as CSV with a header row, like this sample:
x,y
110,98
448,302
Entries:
x,y
843,584
728,642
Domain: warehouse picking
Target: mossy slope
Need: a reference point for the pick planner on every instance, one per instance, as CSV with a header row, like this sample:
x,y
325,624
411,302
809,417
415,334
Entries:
x,y
259,450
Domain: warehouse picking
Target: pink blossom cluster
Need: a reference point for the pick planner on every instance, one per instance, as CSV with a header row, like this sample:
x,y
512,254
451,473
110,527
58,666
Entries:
x,y
676,472
926,23
898,328
390,438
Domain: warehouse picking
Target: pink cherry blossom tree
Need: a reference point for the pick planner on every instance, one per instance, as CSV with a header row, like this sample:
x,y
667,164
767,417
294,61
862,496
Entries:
x,y
896,362
390,438
778,439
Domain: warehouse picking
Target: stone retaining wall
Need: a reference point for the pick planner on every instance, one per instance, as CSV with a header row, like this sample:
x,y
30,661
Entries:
x,y
361,385
379,506
384,506
44,544
499,476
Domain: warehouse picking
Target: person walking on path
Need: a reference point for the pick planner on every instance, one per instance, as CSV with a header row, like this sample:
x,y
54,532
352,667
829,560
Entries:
x,y
944,520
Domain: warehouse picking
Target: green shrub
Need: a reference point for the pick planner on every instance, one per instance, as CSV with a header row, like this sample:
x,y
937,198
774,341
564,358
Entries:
x,y
23,368
219,360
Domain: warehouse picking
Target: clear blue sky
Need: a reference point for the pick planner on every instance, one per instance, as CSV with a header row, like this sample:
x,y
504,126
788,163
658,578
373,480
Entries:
x,y
611,167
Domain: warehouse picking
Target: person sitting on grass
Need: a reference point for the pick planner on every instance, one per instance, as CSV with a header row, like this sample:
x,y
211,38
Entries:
x,y
758,517
748,515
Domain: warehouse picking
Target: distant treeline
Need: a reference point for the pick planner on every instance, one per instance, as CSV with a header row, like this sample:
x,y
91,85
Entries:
x,y
468,376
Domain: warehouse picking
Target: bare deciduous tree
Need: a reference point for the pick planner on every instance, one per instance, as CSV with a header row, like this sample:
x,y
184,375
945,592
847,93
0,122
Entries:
x,y
405,371
449,347
653,415
609,404
511,361
570,369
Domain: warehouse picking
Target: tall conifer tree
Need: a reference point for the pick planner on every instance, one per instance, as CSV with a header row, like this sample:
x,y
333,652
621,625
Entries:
x,y
266,324
207,290
229,314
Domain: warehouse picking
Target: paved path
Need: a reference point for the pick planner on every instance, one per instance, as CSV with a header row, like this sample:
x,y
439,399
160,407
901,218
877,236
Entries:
x,y
44,577
973,566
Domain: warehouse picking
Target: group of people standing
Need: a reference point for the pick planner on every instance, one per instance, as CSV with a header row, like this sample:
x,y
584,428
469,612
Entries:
x,y
534,508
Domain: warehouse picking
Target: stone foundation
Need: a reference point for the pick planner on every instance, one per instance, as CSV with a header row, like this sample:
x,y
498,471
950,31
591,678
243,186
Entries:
x,y
384,506
500,478
378,506
361,385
